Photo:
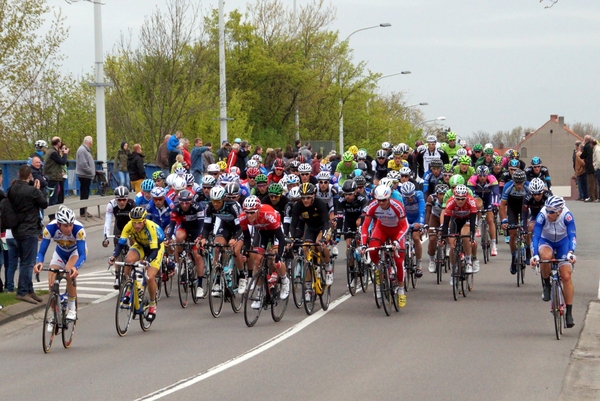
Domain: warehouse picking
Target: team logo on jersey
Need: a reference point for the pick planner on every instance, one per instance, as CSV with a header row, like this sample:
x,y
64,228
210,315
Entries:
x,y
81,235
569,217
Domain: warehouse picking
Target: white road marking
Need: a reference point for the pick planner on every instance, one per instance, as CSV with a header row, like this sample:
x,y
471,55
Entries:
x,y
106,297
100,289
92,296
180,385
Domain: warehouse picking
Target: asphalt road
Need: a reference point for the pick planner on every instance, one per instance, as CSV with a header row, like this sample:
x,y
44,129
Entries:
x,y
497,343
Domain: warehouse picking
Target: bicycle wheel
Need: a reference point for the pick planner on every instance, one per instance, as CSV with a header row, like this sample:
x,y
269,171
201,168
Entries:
x,y
413,276
193,275
386,296
68,329
298,282
159,284
439,264
237,300
182,283
556,310
377,286
145,304
50,325
463,277
124,311
518,261
278,306
311,296
217,292
168,283
351,275
455,281
407,269
485,241
363,272
325,295
256,293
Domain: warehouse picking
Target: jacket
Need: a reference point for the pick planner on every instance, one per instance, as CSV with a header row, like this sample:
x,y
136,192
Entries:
x,y
135,166
84,163
53,164
37,175
27,201
162,156
197,159
587,156
208,158
121,160
596,157
579,165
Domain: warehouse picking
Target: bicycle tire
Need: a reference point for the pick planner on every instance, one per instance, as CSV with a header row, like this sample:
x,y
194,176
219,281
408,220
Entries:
x,y
217,298
413,277
377,286
278,305
68,330
351,275
237,300
407,268
518,261
386,299
193,280
439,264
123,312
50,319
556,312
455,281
309,306
168,283
325,295
206,279
392,263
364,276
251,315
298,282
182,283
463,278
145,305
159,284
485,241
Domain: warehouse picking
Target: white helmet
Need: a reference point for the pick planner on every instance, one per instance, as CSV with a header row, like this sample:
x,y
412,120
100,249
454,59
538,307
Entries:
x,y
304,168
461,152
405,171
488,146
421,148
382,192
64,215
386,145
386,181
432,139
40,143
179,183
294,193
217,193
213,168
324,176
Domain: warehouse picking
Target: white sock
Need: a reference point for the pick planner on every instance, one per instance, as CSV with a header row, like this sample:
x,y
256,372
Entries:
x,y
432,258
468,258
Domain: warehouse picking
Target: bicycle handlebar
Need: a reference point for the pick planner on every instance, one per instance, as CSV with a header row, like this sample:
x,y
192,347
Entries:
x,y
554,260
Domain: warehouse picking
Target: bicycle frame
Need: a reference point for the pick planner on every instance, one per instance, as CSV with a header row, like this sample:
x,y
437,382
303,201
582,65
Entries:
x,y
557,300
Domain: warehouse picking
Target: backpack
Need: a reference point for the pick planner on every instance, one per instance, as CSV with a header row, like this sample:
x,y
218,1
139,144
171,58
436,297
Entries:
x,y
9,218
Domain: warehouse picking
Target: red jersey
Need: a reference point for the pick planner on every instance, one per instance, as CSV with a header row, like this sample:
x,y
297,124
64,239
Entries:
x,y
267,219
393,217
462,212
274,178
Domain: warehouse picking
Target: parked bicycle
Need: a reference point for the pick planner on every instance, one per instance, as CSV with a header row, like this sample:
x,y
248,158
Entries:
x,y
55,316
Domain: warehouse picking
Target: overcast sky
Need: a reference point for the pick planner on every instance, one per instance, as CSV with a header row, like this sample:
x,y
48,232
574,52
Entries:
x,y
485,65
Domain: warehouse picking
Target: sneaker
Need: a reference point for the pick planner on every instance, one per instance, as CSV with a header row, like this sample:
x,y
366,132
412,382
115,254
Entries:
x,y
256,304
513,268
448,251
50,325
328,278
401,298
199,293
216,290
418,272
494,251
570,321
546,293
127,298
151,313
378,292
71,314
451,280
353,283
285,289
506,240
242,286
334,251
116,284
475,265
478,232
469,269
432,267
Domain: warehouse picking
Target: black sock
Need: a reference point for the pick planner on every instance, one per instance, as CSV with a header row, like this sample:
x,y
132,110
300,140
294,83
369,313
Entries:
x,y
569,308
547,282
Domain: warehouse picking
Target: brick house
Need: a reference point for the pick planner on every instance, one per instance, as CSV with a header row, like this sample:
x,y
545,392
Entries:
x,y
553,142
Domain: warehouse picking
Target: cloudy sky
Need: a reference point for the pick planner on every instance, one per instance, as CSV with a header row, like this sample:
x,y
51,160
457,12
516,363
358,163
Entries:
x,y
484,65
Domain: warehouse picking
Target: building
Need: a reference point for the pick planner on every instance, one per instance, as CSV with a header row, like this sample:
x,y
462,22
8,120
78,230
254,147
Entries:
x,y
553,142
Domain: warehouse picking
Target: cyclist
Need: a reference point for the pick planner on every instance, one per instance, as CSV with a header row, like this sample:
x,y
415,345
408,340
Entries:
x,y
147,245
251,174
278,171
291,181
485,190
461,212
143,197
69,254
305,173
233,193
476,153
213,170
512,154
262,185
414,206
159,179
432,177
497,171
345,167
326,192
464,168
276,199
363,187
179,184
433,210
451,147
380,165
555,232
511,207
536,170
315,214
429,153
534,202
487,159
267,229
390,223
159,208
203,197
362,156
187,219
397,162
294,197
387,147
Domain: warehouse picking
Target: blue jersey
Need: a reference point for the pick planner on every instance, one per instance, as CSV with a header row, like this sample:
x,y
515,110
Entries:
x,y
65,244
415,208
244,191
430,181
560,235
140,199
161,217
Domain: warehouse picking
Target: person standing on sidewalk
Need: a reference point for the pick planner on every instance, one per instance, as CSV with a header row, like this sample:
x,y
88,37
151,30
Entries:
x,y
580,175
121,165
86,171
135,166
27,200
56,158
596,162
162,156
197,166
587,156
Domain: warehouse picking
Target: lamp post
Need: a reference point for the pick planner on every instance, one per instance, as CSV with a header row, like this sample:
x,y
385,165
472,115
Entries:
x,y
442,118
382,25
367,103
418,104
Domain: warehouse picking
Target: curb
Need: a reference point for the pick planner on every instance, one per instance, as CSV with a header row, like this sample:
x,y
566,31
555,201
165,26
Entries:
x,y
17,311
582,380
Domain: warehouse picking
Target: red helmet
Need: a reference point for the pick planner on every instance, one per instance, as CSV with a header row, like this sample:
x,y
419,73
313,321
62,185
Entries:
x,y
301,159
252,172
278,163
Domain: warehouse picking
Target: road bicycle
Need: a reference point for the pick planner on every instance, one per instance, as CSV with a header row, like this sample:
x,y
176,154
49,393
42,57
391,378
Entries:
x,y
461,280
164,278
356,268
295,265
133,300
385,286
485,236
442,261
116,270
187,278
410,261
557,299
224,280
264,288
314,279
55,316
520,261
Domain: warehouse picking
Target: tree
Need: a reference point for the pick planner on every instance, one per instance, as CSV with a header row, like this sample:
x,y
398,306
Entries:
x,y
583,129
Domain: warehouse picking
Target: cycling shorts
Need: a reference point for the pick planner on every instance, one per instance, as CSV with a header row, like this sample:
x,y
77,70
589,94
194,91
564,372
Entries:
x,y
155,263
60,258
560,248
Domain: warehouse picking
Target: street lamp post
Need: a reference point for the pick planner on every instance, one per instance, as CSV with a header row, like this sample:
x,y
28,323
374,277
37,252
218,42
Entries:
x,y
383,25
367,103
418,104
442,118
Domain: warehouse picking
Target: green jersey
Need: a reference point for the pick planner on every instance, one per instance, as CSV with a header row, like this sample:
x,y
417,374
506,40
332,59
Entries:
x,y
344,171
467,175
451,152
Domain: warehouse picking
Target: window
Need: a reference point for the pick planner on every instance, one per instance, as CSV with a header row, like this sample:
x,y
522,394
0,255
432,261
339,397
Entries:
x,y
523,153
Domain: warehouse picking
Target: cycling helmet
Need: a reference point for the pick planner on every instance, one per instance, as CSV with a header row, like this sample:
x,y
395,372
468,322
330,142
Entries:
x,y
252,164
208,181
488,151
460,190
554,203
451,136
405,171
213,168
441,188
518,177
436,163
447,168
307,189
349,187
179,183
536,161
408,189
514,163
461,152
158,192
324,176
252,203
347,157
261,179
394,175
224,178
252,172
180,171
353,149
326,167
483,171
478,147
121,192
294,193
361,166
304,168
275,189
382,192
455,180
217,193
404,148
185,196
292,179
361,154
278,163
497,160
421,148
257,157
381,153
517,154
64,215
138,214
537,186
40,143
300,159
396,150
158,175
233,189
462,143
386,145
360,181
189,178
465,160
431,139
488,146
169,180
234,170
147,185
388,182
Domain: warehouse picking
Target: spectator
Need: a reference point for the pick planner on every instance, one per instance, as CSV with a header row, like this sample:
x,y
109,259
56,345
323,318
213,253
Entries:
x,y
334,159
271,156
596,161
27,200
233,156
135,166
297,146
162,156
577,143
306,151
36,171
224,151
587,156
179,163
185,150
316,163
173,147
121,165
243,153
288,155
197,164
580,175
208,156
258,150
86,171
56,158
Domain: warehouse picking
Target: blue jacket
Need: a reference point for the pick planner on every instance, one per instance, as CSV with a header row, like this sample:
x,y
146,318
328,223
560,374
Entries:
x,y
197,160
173,143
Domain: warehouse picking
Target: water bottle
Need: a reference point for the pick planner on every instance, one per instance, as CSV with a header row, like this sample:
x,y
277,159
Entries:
x,y
272,281
227,271
357,254
63,299
139,282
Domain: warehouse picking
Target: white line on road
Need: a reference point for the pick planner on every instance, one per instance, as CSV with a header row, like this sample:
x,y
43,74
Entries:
x,y
180,385
106,297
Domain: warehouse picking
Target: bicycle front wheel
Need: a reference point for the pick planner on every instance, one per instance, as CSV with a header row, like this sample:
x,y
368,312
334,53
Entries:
x,y
556,310
256,293
298,282
237,300
518,261
377,285
363,272
325,295
217,292
68,330
145,304
455,282
309,293
351,270
439,264
278,305
124,309
386,296
183,283
50,323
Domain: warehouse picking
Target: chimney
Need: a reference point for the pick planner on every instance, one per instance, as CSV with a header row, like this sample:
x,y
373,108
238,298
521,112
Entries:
x,y
561,121
554,117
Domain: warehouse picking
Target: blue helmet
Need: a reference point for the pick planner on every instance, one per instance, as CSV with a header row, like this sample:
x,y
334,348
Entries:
x,y
147,185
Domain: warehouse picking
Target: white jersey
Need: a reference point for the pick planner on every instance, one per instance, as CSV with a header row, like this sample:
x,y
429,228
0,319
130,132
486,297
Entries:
x,y
554,231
